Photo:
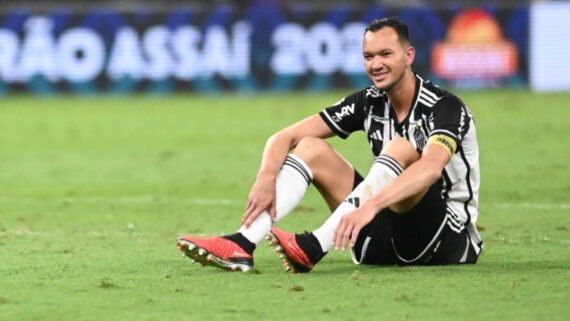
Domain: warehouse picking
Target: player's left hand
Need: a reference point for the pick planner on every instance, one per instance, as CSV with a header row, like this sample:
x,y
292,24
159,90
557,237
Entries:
x,y
351,224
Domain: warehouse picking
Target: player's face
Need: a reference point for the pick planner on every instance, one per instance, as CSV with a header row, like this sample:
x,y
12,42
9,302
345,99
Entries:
x,y
386,60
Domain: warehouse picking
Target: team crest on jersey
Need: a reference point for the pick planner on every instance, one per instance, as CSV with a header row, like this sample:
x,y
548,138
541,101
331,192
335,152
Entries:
x,y
419,137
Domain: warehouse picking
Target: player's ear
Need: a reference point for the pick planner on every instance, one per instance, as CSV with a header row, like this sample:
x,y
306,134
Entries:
x,y
410,55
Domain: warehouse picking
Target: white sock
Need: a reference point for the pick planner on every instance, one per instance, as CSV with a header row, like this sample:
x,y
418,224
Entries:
x,y
384,170
292,182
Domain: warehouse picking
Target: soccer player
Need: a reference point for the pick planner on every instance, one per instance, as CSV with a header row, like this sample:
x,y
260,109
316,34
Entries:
x,y
418,203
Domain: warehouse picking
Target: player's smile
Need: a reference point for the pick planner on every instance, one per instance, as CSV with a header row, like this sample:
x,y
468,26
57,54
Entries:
x,y
379,76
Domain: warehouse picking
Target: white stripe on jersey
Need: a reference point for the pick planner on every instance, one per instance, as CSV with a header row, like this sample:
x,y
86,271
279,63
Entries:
x,y
424,101
334,124
427,92
454,222
427,98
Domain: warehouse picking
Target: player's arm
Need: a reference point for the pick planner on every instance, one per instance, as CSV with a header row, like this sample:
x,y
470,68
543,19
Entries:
x,y
417,178
262,194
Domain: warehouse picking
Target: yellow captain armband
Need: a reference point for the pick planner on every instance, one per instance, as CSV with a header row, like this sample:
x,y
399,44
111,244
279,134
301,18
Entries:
x,y
445,141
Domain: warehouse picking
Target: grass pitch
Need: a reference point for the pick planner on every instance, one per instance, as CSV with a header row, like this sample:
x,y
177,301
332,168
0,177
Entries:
x,y
94,192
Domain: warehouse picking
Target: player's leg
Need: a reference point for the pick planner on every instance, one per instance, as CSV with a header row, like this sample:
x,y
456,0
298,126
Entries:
x,y
384,170
329,171
373,245
333,174
334,177
313,160
397,155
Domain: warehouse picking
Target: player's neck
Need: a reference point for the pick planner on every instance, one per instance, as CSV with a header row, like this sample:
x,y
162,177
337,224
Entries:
x,y
402,94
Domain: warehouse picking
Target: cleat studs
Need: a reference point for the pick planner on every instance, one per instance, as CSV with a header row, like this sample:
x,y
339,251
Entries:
x,y
193,261
288,269
281,255
201,252
179,248
191,246
234,267
203,264
209,257
278,248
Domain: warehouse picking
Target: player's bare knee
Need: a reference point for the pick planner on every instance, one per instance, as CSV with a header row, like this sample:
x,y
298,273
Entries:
x,y
402,151
310,149
333,176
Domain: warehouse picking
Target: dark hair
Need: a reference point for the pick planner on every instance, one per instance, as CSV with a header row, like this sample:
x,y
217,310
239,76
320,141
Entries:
x,y
400,27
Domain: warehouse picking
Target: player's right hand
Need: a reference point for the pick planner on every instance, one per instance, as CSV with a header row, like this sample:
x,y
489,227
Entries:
x,y
261,198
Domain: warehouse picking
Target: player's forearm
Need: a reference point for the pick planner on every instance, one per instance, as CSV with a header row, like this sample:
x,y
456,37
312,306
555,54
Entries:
x,y
282,142
415,179
274,153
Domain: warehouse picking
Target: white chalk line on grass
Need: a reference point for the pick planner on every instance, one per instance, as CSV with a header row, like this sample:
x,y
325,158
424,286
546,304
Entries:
x,y
97,234
145,199
26,232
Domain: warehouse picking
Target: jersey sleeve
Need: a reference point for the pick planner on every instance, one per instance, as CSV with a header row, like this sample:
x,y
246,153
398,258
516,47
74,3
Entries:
x,y
346,116
448,123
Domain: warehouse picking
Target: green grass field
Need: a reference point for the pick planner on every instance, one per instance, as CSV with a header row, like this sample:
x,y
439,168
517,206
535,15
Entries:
x,y
94,192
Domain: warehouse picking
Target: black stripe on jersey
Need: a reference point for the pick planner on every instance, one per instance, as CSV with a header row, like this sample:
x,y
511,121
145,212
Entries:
x,y
447,181
391,163
469,188
293,163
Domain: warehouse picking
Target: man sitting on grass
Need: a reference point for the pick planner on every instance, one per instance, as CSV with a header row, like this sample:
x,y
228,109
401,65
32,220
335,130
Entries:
x,y
418,203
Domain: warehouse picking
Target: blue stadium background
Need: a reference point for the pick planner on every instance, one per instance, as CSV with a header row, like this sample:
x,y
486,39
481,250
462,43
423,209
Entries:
x,y
213,46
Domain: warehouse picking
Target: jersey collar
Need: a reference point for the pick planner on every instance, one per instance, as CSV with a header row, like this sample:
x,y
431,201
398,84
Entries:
x,y
419,84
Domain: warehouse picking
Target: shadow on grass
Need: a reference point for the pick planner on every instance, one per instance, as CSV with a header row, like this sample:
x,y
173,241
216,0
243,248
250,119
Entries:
x,y
340,267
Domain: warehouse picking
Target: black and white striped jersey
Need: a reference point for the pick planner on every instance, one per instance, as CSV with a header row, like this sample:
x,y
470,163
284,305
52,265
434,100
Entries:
x,y
436,115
